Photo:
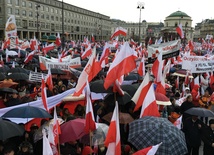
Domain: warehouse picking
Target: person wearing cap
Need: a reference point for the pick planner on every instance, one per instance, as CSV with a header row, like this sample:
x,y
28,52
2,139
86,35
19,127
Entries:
x,y
187,92
207,137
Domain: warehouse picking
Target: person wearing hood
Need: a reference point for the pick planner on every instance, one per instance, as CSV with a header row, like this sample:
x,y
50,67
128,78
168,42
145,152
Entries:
x,y
195,95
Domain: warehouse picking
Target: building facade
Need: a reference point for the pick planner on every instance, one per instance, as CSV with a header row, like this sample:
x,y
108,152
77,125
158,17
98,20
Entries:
x,y
45,17
172,21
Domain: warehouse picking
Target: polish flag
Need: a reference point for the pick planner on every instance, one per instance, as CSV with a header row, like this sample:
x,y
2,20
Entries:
x,y
180,31
48,80
46,145
150,41
92,38
112,141
56,128
151,150
119,31
2,61
141,68
191,46
5,44
29,57
104,55
186,80
58,40
87,52
33,43
84,76
44,95
132,42
48,48
140,94
177,82
211,79
157,68
122,64
90,124
95,69
117,88
149,105
59,57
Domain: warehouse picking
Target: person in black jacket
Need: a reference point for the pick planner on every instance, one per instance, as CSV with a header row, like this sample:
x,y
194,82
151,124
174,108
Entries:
x,y
208,138
185,106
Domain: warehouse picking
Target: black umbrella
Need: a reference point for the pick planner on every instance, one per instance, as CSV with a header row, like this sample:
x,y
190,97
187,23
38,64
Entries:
x,y
9,129
149,131
132,76
98,87
122,100
2,76
18,76
200,112
8,90
27,112
4,69
18,70
57,71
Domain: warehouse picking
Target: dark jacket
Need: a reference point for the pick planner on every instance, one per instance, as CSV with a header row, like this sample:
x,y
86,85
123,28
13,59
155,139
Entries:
x,y
192,132
185,106
207,137
12,102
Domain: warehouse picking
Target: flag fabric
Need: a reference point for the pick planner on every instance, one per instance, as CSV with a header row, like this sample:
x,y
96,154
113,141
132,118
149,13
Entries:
x,y
48,48
46,145
180,30
157,68
29,57
90,124
87,74
48,80
141,69
177,82
150,41
44,94
58,40
119,31
151,150
92,38
186,80
140,94
132,42
117,88
33,44
122,64
160,40
191,46
149,105
87,52
104,55
56,128
112,141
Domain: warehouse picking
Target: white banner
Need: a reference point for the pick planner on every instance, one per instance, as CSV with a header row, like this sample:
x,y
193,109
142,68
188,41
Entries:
x,y
169,49
10,27
198,64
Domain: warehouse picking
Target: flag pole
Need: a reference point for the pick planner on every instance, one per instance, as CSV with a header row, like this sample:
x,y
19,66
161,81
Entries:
x,y
58,143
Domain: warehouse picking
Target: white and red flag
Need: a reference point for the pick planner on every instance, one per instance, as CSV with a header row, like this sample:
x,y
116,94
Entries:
x,y
122,64
29,57
46,145
157,68
58,40
180,30
104,56
44,94
90,124
87,52
151,150
33,44
48,80
112,141
92,38
119,31
140,94
141,69
48,48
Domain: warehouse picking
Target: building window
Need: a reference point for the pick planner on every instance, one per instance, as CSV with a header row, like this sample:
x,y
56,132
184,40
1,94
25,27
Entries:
x,y
52,18
47,17
17,11
52,10
42,16
24,13
47,25
57,18
56,11
23,4
47,9
42,7
31,24
42,25
0,9
17,2
9,10
30,5
30,14
9,1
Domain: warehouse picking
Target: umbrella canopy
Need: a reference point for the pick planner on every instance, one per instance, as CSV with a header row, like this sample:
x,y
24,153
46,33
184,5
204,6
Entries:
x,y
72,130
8,90
161,99
12,53
124,118
18,76
122,100
27,112
57,71
9,129
98,87
4,69
2,76
7,83
200,112
149,131
18,70
181,73
131,76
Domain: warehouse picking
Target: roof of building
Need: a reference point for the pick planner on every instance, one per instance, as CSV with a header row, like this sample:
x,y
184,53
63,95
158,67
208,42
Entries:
x,y
178,14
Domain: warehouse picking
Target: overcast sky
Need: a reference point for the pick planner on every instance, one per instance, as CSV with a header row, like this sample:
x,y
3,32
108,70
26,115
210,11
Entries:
x,y
155,10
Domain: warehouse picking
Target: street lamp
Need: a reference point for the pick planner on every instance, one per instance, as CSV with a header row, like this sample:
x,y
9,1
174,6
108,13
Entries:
x,y
37,19
140,5
63,37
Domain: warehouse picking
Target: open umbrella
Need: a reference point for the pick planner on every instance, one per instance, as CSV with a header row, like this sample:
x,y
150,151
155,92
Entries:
x,y
72,130
27,112
200,112
161,99
181,73
97,86
122,100
18,70
18,76
8,90
2,76
149,131
57,71
124,118
9,129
